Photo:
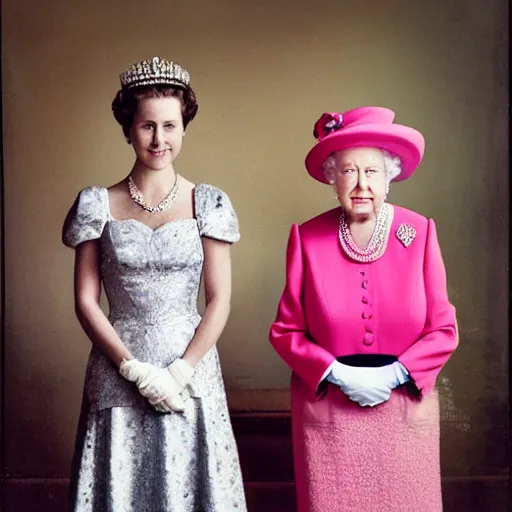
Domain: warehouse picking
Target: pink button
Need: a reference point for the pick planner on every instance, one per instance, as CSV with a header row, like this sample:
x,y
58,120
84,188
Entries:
x,y
365,284
366,315
368,339
366,300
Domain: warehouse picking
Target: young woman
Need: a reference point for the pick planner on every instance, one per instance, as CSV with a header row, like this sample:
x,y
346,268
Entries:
x,y
154,434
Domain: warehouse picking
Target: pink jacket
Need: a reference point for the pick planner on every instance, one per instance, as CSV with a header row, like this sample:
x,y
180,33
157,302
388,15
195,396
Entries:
x,y
332,306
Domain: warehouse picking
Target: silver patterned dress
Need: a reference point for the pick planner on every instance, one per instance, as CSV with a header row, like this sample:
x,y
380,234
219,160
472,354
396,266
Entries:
x,y
128,457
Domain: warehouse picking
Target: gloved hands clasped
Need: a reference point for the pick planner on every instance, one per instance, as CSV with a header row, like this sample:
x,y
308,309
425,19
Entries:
x,y
162,387
368,386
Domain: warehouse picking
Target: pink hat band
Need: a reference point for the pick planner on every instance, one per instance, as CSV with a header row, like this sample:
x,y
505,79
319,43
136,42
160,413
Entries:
x,y
364,127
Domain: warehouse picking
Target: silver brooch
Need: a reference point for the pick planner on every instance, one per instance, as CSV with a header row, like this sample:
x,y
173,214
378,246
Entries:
x,y
406,234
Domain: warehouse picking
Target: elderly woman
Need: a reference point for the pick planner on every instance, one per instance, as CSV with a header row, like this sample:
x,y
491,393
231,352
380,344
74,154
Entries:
x,y
365,324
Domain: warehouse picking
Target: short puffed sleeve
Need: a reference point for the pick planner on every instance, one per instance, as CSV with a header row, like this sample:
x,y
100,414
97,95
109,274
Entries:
x,y
86,218
215,215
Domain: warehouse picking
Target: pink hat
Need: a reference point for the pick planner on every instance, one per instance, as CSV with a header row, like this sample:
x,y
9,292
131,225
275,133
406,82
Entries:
x,y
364,127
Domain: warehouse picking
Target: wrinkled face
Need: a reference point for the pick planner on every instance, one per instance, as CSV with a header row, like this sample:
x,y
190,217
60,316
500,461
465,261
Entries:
x,y
360,181
157,132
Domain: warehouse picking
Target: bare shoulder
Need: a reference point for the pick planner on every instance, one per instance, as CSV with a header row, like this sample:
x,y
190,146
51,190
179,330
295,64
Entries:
x,y
185,199
186,185
118,188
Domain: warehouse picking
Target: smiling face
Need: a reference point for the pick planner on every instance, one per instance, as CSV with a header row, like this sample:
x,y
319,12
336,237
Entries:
x,y
157,132
360,181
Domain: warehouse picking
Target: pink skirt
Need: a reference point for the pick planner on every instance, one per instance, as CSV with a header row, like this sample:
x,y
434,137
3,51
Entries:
x,y
353,459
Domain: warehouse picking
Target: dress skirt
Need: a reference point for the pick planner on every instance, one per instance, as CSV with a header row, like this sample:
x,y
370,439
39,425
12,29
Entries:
x,y
353,459
129,459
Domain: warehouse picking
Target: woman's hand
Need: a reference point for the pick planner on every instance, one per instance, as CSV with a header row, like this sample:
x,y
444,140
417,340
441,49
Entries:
x,y
366,386
181,372
394,374
160,386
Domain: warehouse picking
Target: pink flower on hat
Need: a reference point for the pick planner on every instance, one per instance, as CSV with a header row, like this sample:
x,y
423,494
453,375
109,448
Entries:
x,y
328,123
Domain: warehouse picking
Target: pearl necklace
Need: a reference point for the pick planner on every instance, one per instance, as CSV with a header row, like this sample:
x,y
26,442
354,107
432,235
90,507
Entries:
x,y
378,241
138,198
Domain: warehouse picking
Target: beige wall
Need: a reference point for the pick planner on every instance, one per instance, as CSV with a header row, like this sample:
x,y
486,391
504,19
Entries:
x,y
263,73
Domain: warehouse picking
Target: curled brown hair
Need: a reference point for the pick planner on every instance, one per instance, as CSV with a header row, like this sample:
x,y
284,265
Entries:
x,y
126,102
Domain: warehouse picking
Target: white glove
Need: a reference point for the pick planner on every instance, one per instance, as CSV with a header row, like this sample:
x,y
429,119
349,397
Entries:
x,y
363,385
393,374
160,386
182,372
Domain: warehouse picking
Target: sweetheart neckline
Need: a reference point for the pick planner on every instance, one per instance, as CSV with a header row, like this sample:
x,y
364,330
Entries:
x,y
154,230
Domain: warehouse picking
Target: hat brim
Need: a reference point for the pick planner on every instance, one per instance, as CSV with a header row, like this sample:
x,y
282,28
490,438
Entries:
x,y
403,141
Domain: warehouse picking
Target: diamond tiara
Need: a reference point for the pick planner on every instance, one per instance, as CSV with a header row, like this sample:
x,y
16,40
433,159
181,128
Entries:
x,y
154,71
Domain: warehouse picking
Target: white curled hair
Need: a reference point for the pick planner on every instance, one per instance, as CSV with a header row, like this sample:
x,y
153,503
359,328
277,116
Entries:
x,y
392,167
